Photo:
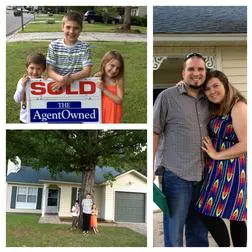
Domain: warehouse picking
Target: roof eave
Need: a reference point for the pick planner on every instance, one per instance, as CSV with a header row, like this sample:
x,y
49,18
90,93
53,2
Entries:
x,y
59,182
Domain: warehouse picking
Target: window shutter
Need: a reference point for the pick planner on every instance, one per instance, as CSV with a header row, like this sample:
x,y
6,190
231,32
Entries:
x,y
73,197
13,197
39,199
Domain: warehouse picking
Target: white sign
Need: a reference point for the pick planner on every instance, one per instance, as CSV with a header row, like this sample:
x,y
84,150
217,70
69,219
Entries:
x,y
79,102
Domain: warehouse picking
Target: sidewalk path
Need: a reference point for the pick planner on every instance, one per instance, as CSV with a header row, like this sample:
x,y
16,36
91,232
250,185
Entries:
x,y
85,36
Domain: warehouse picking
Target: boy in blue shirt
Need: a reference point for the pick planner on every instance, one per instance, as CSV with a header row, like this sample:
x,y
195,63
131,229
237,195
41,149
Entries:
x,y
69,59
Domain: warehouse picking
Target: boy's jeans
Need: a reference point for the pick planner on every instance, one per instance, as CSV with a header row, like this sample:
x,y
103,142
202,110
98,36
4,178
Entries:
x,y
182,196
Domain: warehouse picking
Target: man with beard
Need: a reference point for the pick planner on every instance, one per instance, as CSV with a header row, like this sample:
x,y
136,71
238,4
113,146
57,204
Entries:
x,y
180,117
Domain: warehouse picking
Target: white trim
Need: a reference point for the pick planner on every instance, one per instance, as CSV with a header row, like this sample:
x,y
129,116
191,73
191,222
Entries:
x,y
24,183
125,173
134,171
59,182
158,60
43,205
26,205
229,37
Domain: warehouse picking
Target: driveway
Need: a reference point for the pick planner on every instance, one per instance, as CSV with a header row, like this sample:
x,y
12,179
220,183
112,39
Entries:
x,y
137,227
85,36
158,231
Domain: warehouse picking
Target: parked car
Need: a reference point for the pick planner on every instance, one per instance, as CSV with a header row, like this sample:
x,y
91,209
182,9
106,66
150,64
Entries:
x,y
91,17
17,12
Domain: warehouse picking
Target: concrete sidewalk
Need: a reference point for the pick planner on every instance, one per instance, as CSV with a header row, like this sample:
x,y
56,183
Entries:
x,y
85,36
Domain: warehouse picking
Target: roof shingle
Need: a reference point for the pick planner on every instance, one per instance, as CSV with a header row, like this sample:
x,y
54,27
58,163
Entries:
x,y
200,19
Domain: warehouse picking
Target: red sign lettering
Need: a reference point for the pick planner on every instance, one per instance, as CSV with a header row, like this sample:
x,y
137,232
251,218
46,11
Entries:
x,y
41,88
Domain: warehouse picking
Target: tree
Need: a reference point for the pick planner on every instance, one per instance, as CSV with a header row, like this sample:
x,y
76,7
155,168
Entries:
x,y
127,18
78,151
107,12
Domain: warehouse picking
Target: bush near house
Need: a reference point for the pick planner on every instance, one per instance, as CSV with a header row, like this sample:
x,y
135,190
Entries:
x,y
23,230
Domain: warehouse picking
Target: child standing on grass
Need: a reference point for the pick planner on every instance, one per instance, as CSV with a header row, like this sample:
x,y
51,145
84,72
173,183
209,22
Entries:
x,y
86,203
93,219
69,59
35,66
75,214
112,86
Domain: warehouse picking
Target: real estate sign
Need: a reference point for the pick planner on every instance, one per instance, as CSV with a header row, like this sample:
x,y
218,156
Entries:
x,y
79,102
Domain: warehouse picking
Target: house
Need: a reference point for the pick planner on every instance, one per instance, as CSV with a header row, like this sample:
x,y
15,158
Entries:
x,y
217,32
37,191
140,11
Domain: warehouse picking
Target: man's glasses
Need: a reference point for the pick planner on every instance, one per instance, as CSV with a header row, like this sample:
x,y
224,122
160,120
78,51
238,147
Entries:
x,y
193,54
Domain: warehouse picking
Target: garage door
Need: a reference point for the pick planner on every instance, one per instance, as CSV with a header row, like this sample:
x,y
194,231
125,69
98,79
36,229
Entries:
x,y
130,207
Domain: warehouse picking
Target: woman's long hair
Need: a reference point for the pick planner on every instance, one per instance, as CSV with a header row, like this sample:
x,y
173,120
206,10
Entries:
x,y
232,95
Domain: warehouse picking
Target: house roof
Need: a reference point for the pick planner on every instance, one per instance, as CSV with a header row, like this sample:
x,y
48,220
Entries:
x,y
200,19
28,175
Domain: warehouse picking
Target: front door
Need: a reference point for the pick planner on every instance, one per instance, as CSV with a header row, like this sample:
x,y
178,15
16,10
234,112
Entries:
x,y
52,201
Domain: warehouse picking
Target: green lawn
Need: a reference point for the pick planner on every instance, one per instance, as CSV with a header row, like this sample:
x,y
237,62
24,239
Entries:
x,y
23,230
98,27
40,25
135,56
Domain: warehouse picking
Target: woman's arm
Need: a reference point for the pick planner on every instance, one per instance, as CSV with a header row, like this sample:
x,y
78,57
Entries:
x,y
239,119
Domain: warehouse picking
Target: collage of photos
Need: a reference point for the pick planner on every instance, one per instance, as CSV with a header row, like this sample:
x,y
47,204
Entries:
x,y
92,160
85,66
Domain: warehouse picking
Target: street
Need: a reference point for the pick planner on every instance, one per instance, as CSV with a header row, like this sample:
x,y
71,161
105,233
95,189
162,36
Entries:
x,y
13,23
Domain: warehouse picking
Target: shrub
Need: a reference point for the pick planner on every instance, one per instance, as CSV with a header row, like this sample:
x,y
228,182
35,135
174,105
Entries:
x,y
139,21
50,21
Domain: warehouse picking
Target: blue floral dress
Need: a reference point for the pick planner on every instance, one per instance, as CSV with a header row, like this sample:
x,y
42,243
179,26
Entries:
x,y
224,191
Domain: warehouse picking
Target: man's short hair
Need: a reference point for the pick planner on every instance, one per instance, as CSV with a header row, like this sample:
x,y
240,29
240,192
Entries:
x,y
193,54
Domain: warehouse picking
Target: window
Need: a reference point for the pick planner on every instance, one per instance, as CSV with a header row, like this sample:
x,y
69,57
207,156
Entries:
x,y
32,195
26,194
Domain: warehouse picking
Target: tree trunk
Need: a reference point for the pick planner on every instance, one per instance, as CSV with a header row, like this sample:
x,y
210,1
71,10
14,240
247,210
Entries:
x,y
87,186
127,18
88,173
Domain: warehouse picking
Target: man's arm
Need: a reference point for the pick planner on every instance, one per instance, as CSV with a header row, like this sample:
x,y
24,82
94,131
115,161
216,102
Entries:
x,y
156,138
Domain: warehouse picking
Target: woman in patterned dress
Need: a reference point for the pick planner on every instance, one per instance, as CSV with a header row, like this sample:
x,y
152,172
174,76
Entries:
x,y
224,191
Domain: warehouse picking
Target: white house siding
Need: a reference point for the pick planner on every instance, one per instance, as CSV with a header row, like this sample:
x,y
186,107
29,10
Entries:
x,y
125,183
234,65
66,194
65,200
232,60
8,201
99,200
140,11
